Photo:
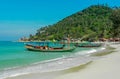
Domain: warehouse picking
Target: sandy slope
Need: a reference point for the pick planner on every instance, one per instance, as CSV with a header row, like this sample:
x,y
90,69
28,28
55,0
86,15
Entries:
x,y
104,68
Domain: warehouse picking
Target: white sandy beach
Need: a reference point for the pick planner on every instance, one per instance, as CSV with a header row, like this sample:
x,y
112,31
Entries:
x,y
106,67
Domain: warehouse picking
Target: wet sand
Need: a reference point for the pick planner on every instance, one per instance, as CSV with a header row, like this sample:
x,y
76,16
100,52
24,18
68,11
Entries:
x,y
105,68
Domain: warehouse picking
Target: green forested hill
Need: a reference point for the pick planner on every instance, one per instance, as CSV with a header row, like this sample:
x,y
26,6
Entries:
x,y
89,24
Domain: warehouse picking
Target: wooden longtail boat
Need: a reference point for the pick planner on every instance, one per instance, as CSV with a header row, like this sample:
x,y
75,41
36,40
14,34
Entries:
x,y
49,49
87,45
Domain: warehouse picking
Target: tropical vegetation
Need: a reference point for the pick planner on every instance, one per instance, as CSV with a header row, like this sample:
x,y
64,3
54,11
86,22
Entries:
x,y
92,23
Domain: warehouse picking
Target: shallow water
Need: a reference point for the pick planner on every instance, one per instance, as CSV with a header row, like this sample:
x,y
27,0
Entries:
x,y
16,60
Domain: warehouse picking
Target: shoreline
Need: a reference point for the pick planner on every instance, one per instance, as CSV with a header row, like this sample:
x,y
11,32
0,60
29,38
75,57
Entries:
x,y
106,67
59,72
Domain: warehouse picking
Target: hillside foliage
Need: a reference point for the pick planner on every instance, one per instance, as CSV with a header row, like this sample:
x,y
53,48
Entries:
x,y
92,23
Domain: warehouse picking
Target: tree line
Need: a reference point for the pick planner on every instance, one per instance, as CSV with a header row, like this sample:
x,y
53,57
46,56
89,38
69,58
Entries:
x,y
92,23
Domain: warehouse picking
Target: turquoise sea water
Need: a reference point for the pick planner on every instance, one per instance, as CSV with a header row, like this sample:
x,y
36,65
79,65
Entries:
x,y
16,60
14,54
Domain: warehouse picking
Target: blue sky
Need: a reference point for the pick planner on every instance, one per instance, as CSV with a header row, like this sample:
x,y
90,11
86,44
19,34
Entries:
x,y
20,18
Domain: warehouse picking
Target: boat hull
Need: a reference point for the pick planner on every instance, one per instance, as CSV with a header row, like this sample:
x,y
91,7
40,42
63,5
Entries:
x,y
88,45
50,50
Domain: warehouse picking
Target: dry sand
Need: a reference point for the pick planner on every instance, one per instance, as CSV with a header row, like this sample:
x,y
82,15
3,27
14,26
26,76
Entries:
x,y
104,68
